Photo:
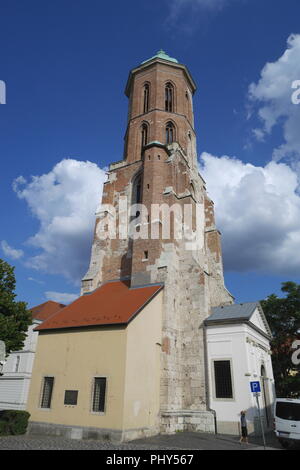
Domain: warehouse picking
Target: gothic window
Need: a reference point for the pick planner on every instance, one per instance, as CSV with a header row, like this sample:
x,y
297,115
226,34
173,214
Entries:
x,y
170,133
137,190
169,97
146,96
144,135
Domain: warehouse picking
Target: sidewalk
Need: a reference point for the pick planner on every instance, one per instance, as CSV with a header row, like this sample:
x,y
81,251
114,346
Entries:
x,y
203,441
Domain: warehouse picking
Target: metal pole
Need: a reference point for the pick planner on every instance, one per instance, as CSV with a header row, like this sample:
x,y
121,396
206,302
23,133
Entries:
x,y
261,423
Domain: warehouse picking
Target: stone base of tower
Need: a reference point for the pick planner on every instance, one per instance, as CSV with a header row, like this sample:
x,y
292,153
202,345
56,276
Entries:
x,y
187,420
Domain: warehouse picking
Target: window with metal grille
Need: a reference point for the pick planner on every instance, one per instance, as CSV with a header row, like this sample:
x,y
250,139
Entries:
x,y
99,394
71,397
47,392
223,381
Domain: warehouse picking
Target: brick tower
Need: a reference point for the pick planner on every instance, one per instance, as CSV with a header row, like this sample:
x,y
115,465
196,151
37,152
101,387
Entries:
x,y
160,167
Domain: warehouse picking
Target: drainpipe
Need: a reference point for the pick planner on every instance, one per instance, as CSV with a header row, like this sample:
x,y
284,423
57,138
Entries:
x,y
207,394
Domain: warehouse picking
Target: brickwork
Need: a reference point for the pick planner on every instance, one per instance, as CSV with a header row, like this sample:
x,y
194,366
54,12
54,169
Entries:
x,y
193,280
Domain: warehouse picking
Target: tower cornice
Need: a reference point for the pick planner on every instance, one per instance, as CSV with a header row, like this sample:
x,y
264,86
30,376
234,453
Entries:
x,y
155,60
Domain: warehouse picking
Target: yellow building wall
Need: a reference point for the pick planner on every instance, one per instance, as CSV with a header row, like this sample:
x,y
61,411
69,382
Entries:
x,y
128,357
142,378
74,358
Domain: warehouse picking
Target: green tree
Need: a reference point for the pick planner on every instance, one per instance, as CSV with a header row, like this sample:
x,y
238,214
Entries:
x,y
15,318
283,315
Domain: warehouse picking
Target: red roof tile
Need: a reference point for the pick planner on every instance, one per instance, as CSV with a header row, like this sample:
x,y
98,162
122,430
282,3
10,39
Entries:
x,y
112,304
45,310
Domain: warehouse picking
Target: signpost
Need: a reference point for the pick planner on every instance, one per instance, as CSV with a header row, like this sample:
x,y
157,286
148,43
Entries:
x,y
255,389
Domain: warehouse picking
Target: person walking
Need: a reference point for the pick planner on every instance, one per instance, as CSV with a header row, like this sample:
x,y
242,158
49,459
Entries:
x,y
244,436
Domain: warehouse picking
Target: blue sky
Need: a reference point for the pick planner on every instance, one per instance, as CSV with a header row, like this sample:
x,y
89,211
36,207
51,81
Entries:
x,y
65,65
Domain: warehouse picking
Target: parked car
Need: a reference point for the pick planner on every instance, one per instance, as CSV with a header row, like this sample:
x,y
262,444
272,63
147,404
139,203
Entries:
x,y
287,421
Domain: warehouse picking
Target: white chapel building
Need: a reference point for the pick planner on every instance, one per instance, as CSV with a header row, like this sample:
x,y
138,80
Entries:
x,y
238,352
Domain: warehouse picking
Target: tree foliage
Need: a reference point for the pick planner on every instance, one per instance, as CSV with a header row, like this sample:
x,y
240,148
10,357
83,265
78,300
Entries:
x,y
15,318
283,315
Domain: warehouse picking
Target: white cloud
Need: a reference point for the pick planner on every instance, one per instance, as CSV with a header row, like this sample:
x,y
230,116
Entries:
x,y
259,134
61,297
186,11
273,95
64,202
11,252
258,212
35,280
202,4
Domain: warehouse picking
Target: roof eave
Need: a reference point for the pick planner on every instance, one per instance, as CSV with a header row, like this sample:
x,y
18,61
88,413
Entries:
x,y
162,61
236,321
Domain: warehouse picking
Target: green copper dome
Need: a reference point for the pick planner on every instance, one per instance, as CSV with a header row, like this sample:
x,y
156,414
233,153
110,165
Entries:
x,y
162,55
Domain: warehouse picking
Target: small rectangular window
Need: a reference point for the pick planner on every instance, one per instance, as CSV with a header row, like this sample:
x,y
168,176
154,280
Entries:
x,y
99,394
47,392
145,254
71,397
17,364
223,381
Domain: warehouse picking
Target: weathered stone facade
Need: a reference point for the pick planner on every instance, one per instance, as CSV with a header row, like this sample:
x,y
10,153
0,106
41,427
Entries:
x,y
168,174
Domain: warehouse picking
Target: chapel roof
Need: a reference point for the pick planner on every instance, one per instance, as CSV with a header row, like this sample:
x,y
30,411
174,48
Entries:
x,y
233,312
239,313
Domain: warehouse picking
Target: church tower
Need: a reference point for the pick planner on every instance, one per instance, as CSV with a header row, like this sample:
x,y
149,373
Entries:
x,y
159,169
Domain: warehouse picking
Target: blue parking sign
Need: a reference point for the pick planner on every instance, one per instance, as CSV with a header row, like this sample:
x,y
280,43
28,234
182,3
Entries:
x,y
255,387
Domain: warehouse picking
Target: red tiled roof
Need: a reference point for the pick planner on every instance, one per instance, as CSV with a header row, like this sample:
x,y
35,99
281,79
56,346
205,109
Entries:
x,y
45,310
112,304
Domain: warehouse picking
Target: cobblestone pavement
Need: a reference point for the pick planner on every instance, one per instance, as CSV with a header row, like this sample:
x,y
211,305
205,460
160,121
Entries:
x,y
58,443
180,441
202,441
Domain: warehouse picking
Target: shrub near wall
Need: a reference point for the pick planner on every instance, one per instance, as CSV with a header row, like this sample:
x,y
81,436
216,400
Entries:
x,y
13,422
4,429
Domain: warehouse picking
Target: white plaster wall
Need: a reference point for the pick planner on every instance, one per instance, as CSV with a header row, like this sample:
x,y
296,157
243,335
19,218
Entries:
x,y
14,386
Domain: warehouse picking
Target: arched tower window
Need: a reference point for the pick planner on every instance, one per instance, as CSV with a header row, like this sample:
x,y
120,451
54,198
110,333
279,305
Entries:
x,y
146,96
170,133
169,97
144,135
137,189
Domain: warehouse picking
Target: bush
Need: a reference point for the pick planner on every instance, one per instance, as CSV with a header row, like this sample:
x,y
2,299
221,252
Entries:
x,y
16,421
4,428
